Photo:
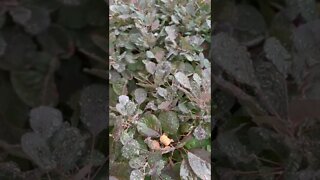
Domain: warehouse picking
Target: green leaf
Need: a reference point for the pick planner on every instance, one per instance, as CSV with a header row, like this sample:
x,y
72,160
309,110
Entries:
x,y
144,130
194,143
151,121
169,121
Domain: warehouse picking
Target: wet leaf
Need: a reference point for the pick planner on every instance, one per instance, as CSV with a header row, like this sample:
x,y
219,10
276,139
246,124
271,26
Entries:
x,y
68,146
93,103
278,55
38,150
45,120
233,58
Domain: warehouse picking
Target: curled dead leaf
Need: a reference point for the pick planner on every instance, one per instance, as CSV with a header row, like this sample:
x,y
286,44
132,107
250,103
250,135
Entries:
x,y
165,140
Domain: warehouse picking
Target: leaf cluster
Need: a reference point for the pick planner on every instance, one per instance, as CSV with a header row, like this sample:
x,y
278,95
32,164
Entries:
x,y
53,110
160,89
265,59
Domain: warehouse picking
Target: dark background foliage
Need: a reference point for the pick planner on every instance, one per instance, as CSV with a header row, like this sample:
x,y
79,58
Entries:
x,y
53,100
265,57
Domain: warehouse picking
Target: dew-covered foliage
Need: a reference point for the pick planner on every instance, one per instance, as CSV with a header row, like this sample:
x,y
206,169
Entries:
x,y
53,100
266,61
160,89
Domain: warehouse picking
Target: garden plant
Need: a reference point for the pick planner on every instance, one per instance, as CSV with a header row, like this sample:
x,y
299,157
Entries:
x,y
159,89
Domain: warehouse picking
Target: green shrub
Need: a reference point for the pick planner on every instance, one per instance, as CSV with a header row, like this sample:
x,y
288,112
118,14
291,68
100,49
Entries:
x,y
160,89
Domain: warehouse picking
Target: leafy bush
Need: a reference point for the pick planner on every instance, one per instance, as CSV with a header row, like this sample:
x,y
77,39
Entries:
x,y
160,90
52,114
265,56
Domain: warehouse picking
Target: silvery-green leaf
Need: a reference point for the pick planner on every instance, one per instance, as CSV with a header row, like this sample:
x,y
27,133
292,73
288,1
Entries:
x,y
146,131
126,137
136,175
164,105
130,108
162,92
199,166
197,78
137,162
183,79
131,149
151,67
200,133
123,99
151,105
183,108
157,167
175,19
186,172
140,95
171,31
189,57
150,54
121,109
